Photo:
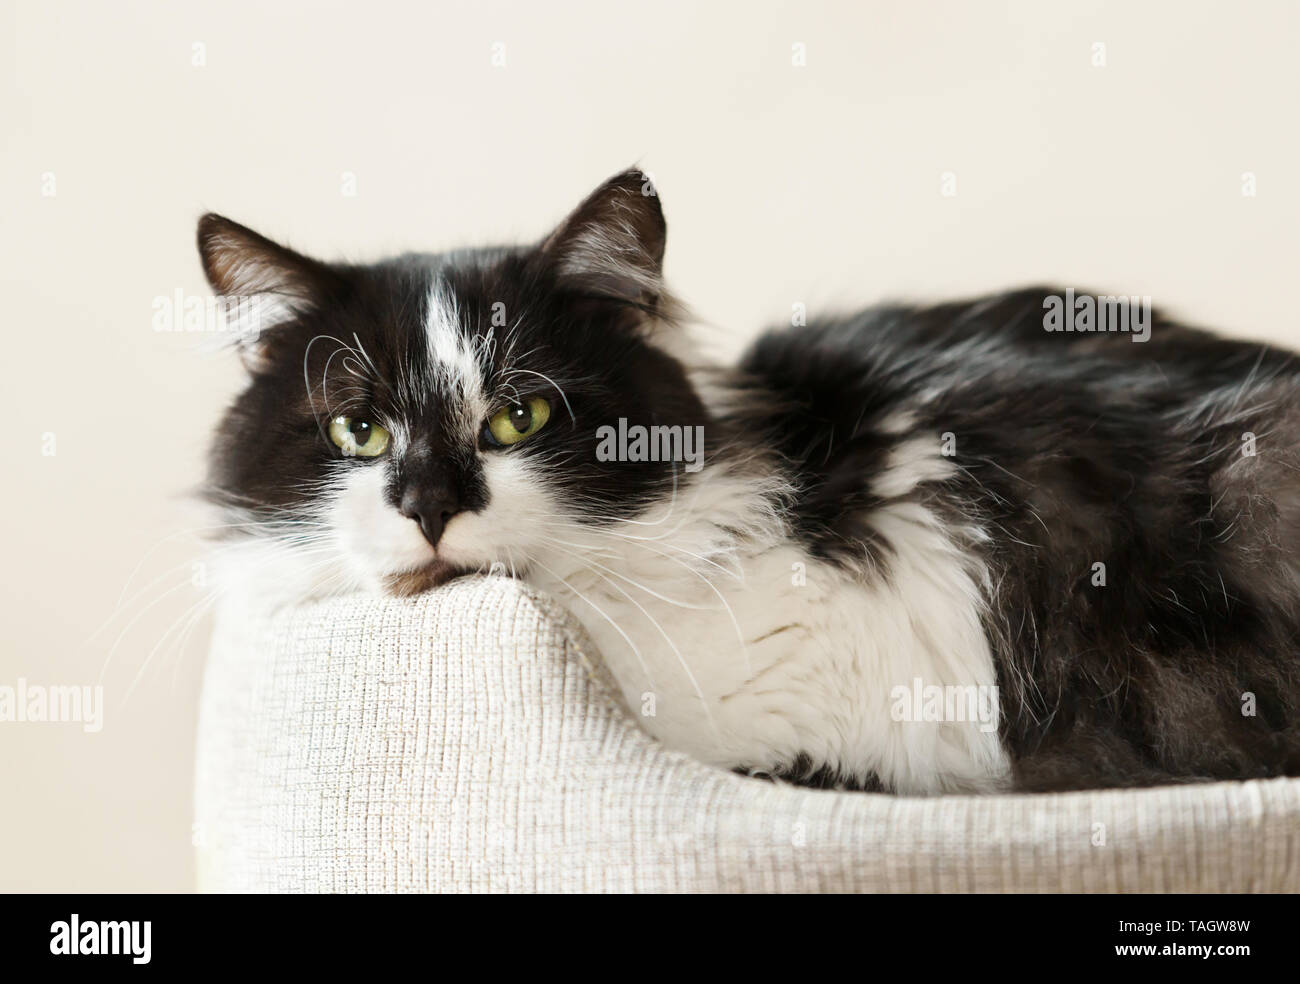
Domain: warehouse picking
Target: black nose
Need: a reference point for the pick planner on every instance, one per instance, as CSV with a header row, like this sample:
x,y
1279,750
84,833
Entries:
x,y
431,508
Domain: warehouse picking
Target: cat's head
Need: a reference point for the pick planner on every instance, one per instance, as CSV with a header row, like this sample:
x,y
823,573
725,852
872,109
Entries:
x,y
429,415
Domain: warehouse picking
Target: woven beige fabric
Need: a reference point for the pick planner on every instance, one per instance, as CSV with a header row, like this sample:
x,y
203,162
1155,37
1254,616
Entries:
x,y
460,742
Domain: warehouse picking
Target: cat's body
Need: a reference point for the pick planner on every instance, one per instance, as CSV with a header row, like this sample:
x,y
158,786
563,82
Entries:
x,y
1086,550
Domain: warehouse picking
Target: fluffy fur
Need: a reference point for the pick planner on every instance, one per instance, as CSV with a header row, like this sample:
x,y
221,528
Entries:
x,y
906,499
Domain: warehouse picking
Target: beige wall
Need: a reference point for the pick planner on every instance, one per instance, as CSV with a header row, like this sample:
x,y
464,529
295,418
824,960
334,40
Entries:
x,y
782,184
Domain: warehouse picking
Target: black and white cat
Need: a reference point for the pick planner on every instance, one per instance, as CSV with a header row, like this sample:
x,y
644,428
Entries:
x,y
891,516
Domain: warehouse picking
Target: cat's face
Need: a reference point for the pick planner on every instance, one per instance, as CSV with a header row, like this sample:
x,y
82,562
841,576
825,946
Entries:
x,y
433,415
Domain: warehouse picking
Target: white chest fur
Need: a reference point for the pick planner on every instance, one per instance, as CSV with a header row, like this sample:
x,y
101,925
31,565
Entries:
x,y
733,644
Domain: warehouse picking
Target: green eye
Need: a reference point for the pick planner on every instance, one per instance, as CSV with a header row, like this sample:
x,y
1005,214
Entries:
x,y
358,438
512,424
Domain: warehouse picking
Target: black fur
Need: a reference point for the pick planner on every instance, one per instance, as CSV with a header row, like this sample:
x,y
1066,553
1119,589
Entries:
x,y
1077,449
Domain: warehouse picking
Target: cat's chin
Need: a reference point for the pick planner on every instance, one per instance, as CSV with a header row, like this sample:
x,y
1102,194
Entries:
x,y
426,578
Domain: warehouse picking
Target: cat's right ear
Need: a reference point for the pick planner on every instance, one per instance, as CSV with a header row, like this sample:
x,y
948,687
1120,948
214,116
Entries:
x,y
261,283
612,245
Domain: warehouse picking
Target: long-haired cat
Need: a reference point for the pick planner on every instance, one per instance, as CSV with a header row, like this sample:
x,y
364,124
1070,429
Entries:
x,y
917,549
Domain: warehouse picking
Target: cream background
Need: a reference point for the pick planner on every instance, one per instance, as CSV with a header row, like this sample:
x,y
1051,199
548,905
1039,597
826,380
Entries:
x,y
782,184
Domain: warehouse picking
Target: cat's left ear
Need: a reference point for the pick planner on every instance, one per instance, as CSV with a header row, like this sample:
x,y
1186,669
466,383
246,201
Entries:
x,y
263,283
612,245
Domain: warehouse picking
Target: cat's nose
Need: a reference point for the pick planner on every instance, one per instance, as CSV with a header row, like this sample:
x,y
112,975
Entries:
x,y
431,509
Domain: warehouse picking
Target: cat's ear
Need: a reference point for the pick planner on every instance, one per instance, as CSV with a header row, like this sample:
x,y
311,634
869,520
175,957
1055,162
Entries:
x,y
612,245
262,284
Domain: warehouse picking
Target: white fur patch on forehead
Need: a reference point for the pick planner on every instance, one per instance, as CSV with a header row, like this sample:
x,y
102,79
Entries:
x,y
451,351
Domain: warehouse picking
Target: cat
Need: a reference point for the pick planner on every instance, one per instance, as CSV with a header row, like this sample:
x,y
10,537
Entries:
x,y
945,548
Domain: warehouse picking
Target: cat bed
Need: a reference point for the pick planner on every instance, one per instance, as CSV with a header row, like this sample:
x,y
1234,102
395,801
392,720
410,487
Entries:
x,y
464,740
